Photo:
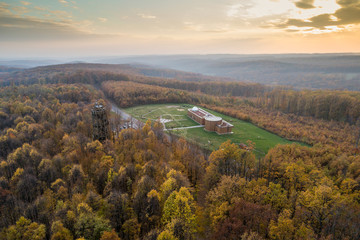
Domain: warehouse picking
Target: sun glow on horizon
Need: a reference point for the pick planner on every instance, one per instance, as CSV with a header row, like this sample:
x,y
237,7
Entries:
x,y
230,26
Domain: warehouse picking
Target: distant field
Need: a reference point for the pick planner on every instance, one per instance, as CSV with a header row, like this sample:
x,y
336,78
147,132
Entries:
x,y
177,116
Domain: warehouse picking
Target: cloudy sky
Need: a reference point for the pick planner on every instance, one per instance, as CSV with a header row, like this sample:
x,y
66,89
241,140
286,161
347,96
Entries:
x,y
71,28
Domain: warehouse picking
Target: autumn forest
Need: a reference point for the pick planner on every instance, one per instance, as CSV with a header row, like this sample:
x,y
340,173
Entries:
x,y
58,183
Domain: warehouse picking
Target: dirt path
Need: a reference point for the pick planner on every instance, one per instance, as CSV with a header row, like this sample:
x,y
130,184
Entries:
x,y
197,126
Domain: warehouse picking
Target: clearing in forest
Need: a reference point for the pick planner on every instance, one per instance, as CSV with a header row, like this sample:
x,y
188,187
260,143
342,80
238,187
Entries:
x,y
175,116
172,116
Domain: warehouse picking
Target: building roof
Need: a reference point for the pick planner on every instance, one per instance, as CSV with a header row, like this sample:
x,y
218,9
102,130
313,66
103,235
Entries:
x,y
212,118
225,124
198,112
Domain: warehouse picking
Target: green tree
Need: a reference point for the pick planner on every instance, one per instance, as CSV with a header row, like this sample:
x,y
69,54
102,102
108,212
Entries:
x,y
304,232
131,229
277,197
230,160
26,230
91,226
284,228
166,235
179,211
59,232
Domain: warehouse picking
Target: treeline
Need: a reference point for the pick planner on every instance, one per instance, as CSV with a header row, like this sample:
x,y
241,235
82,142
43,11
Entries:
x,y
179,75
127,94
341,106
59,76
56,183
215,88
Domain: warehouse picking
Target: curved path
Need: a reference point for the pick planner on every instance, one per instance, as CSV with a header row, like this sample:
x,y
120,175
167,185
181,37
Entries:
x,y
136,124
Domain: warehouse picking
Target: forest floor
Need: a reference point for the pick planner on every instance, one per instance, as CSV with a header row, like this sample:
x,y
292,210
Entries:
x,y
180,124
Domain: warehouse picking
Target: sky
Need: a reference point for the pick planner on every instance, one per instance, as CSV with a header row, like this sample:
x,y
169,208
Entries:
x,y
73,28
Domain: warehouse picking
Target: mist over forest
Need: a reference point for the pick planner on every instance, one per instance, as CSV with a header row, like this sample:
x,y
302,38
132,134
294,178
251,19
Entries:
x,y
311,71
318,71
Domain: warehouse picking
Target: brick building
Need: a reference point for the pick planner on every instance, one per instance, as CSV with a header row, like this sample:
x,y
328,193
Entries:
x,y
211,122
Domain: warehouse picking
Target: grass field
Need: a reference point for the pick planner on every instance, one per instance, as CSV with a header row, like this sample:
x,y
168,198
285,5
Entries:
x,y
177,114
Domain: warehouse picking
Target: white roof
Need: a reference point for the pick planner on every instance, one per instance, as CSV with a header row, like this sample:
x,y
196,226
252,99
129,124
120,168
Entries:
x,y
194,109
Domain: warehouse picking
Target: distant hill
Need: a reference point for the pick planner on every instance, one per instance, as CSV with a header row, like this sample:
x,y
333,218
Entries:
x,y
28,63
299,71
314,71
5,69
126,69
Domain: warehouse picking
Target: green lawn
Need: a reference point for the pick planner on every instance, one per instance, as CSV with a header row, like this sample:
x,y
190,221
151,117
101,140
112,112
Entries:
x,y
242,131
177,113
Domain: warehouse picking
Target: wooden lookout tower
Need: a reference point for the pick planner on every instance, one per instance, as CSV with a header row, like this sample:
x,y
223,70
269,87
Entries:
x,y
100,123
